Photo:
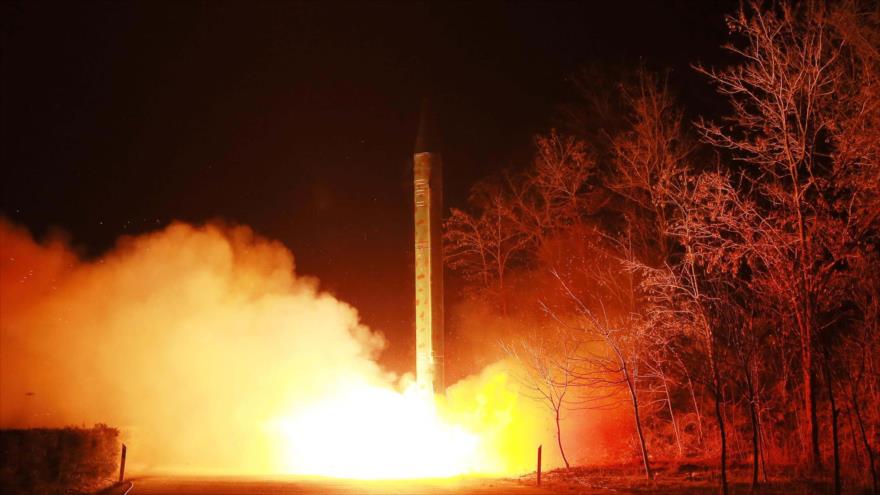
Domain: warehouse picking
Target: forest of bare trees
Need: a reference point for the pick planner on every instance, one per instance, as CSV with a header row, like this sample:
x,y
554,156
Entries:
x,y
719,276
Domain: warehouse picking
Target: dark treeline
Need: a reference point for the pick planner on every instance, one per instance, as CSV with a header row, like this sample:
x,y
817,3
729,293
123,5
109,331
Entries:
x,y
721,278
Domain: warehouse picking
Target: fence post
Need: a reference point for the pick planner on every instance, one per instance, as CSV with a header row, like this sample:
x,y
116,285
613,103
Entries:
x,y
539,465
122,465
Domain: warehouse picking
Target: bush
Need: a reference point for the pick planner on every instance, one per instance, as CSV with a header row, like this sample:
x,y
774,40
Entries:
x,y
58,460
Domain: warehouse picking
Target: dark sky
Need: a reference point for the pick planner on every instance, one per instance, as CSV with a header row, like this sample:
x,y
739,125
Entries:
x,y
299,119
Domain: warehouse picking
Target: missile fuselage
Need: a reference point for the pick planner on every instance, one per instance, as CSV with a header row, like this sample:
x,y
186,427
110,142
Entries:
x,y
428,199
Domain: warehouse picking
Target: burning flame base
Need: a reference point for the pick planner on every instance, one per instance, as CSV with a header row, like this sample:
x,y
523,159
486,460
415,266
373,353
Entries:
x,y
370,432
374,433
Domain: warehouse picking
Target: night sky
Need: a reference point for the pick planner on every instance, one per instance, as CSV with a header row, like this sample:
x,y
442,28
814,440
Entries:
x,y
299,119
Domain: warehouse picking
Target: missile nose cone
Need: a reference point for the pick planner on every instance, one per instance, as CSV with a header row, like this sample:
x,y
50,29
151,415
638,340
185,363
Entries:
x,y
427,139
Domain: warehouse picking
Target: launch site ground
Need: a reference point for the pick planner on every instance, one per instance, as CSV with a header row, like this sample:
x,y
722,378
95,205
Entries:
x,y
569,484
300,486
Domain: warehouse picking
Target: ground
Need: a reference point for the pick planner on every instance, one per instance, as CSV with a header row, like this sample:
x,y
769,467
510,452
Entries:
x,y
699,478
300,486
572,482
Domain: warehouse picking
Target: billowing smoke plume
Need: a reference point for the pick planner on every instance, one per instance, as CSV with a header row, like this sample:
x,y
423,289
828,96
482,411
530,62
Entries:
x,y
184,337
195,341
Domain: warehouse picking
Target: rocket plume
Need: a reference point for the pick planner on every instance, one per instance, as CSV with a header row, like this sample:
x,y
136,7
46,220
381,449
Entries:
x,y
212,355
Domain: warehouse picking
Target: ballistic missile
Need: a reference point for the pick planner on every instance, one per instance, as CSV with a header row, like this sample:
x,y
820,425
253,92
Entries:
x,y
428,199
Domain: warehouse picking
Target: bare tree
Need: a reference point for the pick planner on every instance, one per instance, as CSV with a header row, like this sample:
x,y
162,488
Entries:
x,y
750,279
552,195
655,363
863,372
484,245
646,157
548,361
513,217
607,323
678,300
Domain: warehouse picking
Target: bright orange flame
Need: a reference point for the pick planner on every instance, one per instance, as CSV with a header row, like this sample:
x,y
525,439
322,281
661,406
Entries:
x,y
482,427
374,433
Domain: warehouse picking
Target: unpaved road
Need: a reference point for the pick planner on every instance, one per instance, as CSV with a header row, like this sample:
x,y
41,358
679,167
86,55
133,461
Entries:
x,y
299,486
313,486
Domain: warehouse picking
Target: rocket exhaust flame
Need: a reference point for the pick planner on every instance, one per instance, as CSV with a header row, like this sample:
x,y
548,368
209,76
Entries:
x,y
394,435
212,355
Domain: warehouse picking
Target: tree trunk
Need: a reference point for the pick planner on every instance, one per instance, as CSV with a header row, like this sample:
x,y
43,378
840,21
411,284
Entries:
x,y
865,442
805,312
696,409
753,414
852,436
672,417
559,439
811,418
746,355
719,414
762,437
720,418
734,439
834,433
690,384
635,402
801,434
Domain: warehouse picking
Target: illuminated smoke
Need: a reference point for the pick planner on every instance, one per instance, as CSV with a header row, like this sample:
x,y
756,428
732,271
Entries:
x,y
211,354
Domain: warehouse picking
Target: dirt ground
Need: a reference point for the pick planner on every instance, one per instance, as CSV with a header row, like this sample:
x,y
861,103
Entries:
x,y
684,478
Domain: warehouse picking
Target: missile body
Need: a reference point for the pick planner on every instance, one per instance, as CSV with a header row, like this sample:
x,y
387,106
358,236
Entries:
x,y
428,198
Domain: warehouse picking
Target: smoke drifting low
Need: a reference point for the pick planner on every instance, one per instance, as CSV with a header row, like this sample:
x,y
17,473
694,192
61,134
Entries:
x,y
184,337
198,342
